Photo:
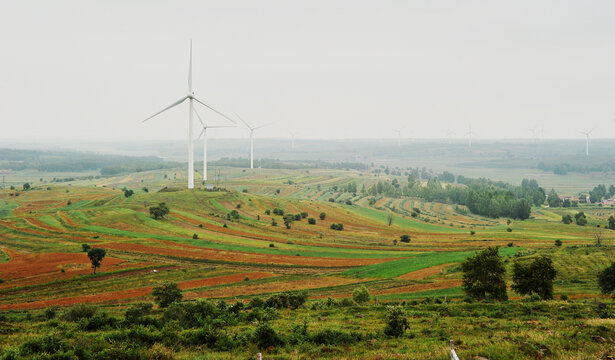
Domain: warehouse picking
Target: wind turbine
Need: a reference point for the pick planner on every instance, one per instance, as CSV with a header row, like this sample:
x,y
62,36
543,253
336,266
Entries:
x,y
586,133
251,138
398,131
191,99
469,134
292,140
204,135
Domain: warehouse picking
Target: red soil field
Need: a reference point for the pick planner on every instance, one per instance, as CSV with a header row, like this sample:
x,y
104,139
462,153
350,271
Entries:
x,y
446,284
114,296
241,257
29,266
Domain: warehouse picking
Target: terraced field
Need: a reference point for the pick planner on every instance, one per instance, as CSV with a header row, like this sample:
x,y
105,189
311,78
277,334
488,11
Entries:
x,y
213,253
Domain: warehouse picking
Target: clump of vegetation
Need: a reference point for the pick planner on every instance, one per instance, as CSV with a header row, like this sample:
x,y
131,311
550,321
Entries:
x,y
567,219
160,211
396,321
96,256
483,275
580,218
606,280
311,221
404,238
85,247
167,294
534,277
128,193
338,227
322,215
558,243
361,295
195,236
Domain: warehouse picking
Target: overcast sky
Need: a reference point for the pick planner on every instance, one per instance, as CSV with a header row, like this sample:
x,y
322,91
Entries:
x,y
325,69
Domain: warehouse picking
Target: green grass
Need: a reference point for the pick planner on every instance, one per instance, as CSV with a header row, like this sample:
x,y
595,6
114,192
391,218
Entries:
x,y
396,268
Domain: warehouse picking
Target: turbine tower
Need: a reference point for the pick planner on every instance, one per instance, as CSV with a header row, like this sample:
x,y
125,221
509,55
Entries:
x,y
586,133
204,135
398,131
469,134
251,138
191,99
292,140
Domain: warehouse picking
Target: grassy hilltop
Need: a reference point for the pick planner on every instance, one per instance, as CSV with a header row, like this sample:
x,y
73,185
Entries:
x,y
221,245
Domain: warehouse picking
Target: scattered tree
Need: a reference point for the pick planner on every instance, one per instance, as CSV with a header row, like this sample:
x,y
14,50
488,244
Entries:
x,y
195,236
160,211
338,227
167,294
567,219
558,243
96,256
26,186
311,221
611,222
128,193
535,277
288,220
405,238
323,215
361,295
606,280
483,275
145,189
396,321
553,199
85,247
598,234
580,218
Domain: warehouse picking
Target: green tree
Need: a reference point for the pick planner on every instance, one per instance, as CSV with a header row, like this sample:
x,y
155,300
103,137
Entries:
x,y
311,221
405,238
323,215
167,294
535,277
567,219
580,218
396,321
160,211
611,224
606,280
553,199
361,295
128,193
26,186
288,220
96,256
85,247
483,275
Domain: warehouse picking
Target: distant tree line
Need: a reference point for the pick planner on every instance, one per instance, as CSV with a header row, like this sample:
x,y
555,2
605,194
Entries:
x,y
481,196
581,166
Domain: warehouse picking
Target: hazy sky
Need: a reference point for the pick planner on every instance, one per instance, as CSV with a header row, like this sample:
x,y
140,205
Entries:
x,y
329,69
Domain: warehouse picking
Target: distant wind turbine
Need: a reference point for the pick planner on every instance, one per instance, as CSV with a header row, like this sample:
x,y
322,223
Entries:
x,y
398,131
292,140
469,134
204,135
251,138
191,99
586,133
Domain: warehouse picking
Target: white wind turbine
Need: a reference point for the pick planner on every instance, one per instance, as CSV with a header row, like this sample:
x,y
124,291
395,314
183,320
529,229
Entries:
x,y
586,133
469,134
251,139
204,135
292,140
398,131
191,99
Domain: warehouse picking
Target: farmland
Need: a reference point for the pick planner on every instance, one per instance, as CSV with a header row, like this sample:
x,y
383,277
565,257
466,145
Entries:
x,y
222,245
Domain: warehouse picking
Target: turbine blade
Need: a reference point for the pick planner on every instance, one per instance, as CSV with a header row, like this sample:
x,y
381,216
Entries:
x,y
214,110
199,117
201,134
167,108
243,121
190,70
